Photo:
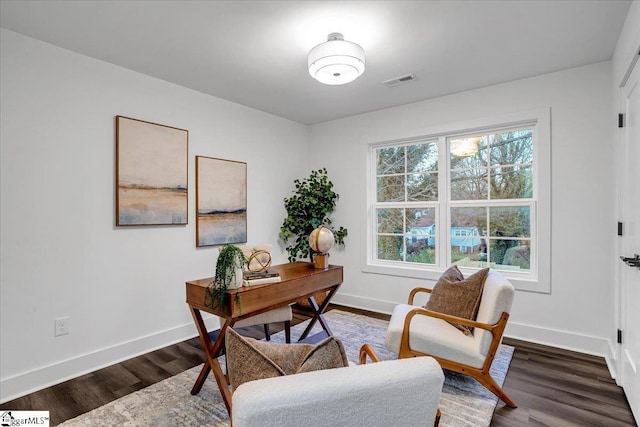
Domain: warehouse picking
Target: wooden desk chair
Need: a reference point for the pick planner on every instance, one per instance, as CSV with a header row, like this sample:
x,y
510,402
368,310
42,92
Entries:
x,y
282,314
277,315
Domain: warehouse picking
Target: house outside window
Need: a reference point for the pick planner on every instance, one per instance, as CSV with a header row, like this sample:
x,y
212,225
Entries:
x,y
470,198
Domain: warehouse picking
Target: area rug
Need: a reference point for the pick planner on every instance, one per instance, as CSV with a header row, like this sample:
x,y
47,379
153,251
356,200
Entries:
x,y
464,402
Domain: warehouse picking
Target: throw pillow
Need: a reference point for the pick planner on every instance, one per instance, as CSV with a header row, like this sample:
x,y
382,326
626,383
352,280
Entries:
x,y
460,298
328,354
452,274
249,359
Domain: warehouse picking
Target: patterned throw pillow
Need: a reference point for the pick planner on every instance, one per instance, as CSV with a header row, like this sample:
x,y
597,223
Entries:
x,y
249,359
457,296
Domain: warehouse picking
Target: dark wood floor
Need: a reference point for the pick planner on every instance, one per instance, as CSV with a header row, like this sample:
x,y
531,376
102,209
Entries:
x,y
552,387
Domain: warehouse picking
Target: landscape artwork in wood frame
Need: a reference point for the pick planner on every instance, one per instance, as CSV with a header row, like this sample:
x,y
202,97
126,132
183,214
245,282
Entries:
x,y
221,201
151,173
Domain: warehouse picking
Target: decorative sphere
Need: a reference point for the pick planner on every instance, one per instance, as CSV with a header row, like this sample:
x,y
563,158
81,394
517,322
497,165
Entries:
x,y
321,239
259,260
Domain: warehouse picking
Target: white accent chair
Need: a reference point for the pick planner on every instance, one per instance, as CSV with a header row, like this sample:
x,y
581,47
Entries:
x,y
391,393
416,331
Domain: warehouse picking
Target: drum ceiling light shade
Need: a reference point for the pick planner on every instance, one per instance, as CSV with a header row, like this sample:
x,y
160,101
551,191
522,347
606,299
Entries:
x,y
336,61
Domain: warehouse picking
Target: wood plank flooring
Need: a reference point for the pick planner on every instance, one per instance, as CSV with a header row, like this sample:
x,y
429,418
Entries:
x,y
555,387
552,387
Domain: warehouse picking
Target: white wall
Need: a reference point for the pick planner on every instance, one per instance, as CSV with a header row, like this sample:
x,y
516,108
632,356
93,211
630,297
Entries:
x,y
628,43
122,288
578,313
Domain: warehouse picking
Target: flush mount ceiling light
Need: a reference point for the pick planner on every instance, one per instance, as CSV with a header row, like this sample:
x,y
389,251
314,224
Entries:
x,y
336,61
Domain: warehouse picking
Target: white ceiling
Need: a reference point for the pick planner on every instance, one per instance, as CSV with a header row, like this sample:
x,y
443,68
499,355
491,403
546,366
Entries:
x,y
255,52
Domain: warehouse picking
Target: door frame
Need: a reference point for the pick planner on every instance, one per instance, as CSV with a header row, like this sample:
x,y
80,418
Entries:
x,y
620,176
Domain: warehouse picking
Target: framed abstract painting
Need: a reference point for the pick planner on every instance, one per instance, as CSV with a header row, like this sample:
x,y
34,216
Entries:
x,y
221,201
151,173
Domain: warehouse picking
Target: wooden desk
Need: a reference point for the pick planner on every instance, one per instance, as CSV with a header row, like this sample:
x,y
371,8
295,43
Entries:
x,y
298,280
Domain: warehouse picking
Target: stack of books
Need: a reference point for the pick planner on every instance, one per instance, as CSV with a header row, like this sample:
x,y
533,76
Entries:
x,y
260,278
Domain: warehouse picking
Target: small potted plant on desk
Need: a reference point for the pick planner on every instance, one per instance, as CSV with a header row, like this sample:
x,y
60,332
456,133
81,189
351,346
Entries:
x,y
228,275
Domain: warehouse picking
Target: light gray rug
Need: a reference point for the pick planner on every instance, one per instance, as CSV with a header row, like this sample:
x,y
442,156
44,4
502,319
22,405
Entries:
x,y
464,401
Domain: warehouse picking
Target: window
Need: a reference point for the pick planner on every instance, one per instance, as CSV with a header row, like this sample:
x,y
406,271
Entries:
x,y
407,196
469,198
491,199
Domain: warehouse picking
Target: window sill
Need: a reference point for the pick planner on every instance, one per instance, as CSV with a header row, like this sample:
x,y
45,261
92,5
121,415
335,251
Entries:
x,y
433,274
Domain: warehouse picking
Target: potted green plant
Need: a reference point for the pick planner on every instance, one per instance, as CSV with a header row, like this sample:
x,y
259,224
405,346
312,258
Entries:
x,y
229,267
309,207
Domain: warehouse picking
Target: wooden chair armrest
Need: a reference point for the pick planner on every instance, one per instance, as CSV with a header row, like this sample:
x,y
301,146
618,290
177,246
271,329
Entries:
x,y
365,351
415,291
454,319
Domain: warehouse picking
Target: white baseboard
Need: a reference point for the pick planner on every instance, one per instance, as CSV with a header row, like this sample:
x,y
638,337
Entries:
x,y
379,306
566,340
612,361
552,337
47,376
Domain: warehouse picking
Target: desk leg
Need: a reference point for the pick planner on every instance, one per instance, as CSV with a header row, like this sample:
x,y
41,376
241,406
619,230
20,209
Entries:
x,y
206,345
223,385
317,316
212,351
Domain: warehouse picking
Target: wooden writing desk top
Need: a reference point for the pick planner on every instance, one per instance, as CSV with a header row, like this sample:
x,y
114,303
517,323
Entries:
x,y
298,280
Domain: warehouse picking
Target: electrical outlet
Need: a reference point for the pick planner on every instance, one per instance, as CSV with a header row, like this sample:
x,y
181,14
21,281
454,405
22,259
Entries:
x,y
61,326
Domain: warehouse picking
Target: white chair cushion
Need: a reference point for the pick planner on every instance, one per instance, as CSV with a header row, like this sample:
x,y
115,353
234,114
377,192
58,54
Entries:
x,y
432,336
281,314
497,297
391,393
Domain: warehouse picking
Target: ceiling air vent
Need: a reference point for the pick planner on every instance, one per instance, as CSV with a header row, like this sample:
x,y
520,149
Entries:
x,y
400,80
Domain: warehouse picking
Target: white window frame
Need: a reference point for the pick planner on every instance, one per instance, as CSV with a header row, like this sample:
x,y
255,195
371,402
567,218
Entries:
x,y
538,280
